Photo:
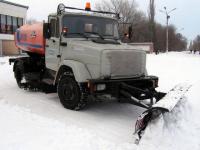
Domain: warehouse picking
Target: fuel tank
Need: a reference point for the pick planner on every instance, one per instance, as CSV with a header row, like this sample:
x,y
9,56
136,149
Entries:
x,y
29,38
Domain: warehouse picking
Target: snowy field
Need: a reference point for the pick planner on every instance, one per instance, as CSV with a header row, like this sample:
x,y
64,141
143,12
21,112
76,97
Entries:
x,y
36,121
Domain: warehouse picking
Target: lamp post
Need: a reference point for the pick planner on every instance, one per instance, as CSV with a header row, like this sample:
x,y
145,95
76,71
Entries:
x,y
1,50
167,29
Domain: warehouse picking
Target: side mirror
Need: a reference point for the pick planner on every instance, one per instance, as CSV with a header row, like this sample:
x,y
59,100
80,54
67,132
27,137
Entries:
x,y
65,31
46,31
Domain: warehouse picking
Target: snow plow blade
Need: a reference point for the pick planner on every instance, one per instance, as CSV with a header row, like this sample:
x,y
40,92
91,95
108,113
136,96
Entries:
x,y
166,104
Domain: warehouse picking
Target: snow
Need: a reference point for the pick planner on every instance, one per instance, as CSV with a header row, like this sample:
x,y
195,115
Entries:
x,y
174,68
34,120
179,129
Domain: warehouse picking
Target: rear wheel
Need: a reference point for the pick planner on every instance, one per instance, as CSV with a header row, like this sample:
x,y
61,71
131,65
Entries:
x,y
19,74
69,93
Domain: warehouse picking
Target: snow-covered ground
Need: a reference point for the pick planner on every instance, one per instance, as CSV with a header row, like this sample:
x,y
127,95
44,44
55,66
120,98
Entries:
x,y
34,120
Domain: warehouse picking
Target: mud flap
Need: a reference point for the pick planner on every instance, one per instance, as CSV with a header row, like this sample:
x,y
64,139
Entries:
x,y
166,104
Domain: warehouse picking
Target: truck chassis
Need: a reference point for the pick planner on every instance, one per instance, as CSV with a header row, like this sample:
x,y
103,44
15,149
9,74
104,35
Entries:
x,y
136,91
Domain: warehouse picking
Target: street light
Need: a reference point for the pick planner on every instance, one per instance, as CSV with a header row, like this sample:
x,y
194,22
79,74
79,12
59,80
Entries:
x,y
167,30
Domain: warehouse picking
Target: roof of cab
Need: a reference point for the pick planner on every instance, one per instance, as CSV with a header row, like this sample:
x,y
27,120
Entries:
x,y
85,14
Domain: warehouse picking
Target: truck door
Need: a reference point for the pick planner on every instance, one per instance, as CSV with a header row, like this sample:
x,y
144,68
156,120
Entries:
x,y
53,46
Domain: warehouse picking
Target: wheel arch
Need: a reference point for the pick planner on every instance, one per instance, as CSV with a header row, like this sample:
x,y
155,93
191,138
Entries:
x,y
16,62
75,68
14,66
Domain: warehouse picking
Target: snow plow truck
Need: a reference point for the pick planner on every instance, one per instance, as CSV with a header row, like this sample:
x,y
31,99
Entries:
x,y
80,55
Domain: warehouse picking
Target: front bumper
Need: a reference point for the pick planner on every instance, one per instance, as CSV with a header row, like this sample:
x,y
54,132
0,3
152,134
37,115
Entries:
x,y
112,86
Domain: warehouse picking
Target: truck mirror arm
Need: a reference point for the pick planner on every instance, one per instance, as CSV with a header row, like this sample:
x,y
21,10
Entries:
x,y
61,42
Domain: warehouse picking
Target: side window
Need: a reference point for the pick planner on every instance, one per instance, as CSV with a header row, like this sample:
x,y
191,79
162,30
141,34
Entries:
x,y
3,24
19,22
54,28
57,28
109,30
14,24
9,25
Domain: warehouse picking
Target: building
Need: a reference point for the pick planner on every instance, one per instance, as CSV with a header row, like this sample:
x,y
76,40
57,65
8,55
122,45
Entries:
x,y
12,16
148,47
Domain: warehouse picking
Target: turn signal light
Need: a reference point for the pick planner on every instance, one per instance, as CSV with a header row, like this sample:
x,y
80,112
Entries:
x,y
88,6
65,30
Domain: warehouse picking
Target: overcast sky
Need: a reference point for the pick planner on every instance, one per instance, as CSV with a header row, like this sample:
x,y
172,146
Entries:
x,y
186,16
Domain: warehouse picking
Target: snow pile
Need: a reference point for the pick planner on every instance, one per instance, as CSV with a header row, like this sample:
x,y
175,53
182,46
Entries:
x,y
3,60
34,120
179,129
22,130
174,68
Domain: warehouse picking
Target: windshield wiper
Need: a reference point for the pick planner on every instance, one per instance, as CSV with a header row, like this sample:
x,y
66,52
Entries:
x,y
111,37
115,39
96,33
78,33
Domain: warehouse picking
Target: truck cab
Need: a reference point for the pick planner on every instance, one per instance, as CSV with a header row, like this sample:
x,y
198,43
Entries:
x,y
93,42
79,37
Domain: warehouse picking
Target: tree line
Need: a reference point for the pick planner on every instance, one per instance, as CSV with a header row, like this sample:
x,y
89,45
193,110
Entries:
x,y
195,44
141,27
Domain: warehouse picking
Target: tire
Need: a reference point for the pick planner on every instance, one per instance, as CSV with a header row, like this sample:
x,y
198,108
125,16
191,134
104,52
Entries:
x,y
19,74
69,93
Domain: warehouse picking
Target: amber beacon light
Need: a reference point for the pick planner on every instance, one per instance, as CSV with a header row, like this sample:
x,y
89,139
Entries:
x,y
88,6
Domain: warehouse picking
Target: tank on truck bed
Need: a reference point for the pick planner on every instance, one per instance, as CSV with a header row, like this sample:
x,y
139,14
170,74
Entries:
x,y
30,39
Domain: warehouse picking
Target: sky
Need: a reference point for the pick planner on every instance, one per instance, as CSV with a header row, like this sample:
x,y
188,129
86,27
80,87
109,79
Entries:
x,y
186,17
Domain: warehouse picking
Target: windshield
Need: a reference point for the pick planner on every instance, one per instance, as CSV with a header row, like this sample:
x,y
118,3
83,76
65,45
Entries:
x,y
92,26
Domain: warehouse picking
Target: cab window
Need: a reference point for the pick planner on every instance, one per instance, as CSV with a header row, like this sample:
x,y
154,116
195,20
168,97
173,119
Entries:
x,y
54,24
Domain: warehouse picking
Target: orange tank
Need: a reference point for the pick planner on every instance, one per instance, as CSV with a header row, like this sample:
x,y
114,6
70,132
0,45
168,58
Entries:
x,y
30,38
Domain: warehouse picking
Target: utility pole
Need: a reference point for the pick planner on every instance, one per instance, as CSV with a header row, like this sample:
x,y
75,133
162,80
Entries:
x,y
151,14
167,28
1,50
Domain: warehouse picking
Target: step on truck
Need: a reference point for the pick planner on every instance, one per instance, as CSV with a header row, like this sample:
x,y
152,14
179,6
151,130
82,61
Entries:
x,y
79,55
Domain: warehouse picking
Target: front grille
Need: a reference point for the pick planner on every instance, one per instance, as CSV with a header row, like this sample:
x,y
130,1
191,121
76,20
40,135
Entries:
x,y
123,63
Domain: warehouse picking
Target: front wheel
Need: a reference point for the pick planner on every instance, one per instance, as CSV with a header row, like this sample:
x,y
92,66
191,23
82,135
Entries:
x,y
69,93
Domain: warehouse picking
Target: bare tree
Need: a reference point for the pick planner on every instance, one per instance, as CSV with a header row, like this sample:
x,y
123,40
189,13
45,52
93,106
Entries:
x,y
196,43
160,34
191,46
177,42
143,29
129,15
126,9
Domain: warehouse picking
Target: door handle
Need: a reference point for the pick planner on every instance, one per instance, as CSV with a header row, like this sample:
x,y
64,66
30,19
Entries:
x,y
63,43
58,56
47,45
